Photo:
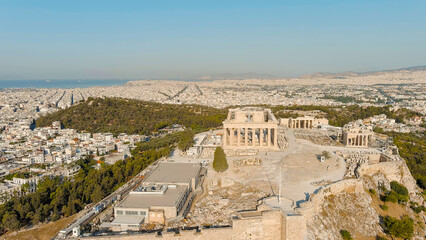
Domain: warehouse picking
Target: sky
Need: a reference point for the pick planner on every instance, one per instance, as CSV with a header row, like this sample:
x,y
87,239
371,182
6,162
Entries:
x,y
158,39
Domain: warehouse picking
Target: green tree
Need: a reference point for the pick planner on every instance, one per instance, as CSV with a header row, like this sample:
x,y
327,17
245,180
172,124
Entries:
x,y
55,215
97,194
403,228
399,188
186,139
399,193
219,163
392,196
10,221
345,235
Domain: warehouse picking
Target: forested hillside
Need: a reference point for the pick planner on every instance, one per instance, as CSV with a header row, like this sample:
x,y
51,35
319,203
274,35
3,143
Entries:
x,y
131,116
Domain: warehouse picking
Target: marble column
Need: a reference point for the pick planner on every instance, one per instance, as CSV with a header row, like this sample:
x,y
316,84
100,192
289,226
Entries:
x,y
231,143
253,136
246,137
269,137
275,137
239,137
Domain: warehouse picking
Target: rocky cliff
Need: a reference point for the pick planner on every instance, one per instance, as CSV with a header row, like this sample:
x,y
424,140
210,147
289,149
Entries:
x,y
350,206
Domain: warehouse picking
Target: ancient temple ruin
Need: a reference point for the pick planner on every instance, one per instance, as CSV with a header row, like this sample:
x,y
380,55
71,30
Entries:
x,y
356,136
250,128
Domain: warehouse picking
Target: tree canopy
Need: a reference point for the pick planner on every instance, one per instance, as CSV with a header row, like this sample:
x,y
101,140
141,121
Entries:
x,y
345,235
220,163
186,139
403,228
117,115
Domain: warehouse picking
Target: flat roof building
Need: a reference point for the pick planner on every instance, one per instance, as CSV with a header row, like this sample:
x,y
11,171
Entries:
x,y
180,173
162,196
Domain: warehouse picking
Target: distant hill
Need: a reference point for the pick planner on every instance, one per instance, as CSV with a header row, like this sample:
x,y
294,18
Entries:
x,y
416,68
343,75
116,115
354,74
236,76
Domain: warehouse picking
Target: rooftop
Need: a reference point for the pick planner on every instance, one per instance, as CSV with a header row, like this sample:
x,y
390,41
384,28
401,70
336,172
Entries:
x,y
173,173
168,199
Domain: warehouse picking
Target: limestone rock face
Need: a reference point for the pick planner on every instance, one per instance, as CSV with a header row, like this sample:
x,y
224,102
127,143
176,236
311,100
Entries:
x,y
349,211
393,171
353,211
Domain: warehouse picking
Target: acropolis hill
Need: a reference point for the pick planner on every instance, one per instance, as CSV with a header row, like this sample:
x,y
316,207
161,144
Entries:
x,y
292,172
288,178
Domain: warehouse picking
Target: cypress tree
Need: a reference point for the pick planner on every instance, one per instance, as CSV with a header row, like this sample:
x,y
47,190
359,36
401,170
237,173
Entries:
x,y
219,163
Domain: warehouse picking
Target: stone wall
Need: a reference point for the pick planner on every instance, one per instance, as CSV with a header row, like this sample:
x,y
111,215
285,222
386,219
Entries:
x,y
266,225
205,234
294,227
313,206
393,171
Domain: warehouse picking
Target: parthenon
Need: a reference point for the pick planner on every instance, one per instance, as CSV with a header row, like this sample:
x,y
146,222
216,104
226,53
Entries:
x,y
250,128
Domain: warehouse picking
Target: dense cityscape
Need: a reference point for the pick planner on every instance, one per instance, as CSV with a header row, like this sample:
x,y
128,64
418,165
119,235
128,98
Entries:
x,y
30,153
208,120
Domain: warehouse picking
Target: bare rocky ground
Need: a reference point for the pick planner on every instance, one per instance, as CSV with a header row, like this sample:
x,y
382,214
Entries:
x,y
241,187
360,213
316,137
348,211
219,203
296,173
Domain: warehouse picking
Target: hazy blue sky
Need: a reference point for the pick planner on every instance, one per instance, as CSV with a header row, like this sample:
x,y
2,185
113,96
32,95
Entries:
x,y
165,39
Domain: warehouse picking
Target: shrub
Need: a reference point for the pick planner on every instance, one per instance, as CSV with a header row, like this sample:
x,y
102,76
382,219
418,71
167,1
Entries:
x,y
345,235
399,188
402,199
380,238
219,163
382,188
399,228
384,207
372,191
392,196
416,208
326,154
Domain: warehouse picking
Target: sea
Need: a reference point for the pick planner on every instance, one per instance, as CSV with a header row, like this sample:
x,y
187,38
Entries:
x,y
60,83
